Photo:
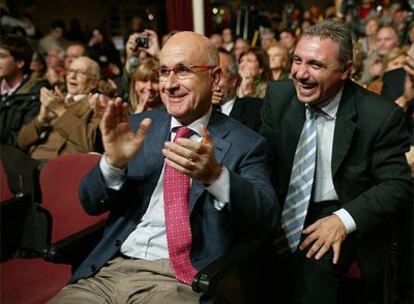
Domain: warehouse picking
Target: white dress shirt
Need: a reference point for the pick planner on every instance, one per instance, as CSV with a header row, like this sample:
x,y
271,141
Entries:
x,y
148,241
324,188
227,106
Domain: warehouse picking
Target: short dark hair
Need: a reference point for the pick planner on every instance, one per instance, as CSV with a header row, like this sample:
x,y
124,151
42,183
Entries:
x,y
263,59
58,23
19,49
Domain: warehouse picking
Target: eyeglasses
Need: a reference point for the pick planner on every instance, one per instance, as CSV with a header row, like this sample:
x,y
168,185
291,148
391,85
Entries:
x,y
80,72
181,71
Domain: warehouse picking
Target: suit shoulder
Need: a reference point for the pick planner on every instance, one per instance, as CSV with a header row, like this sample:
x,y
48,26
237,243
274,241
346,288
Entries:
x,y
240,130
154,115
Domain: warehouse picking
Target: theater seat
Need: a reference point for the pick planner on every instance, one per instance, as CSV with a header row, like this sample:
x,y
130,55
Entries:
x,y
71,233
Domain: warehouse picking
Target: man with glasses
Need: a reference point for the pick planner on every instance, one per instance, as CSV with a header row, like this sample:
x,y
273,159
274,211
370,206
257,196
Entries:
x,y
183,184
66,123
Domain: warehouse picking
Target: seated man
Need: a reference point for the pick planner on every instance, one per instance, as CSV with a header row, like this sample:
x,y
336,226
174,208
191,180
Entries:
x,y
246,109
65,124
19,92
182,190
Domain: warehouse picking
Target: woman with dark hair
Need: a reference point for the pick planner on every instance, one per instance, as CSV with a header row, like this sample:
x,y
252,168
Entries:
x,y
143,90
255,73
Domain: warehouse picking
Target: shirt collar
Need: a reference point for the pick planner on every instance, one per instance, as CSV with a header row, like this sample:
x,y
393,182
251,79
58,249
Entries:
x,y
195,125
77,97
5,89
329,108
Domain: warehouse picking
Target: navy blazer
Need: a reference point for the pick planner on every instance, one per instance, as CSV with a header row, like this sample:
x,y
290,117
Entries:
x,y
253,207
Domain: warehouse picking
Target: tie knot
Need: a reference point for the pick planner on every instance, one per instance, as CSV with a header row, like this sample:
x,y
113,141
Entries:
x,y
310,113
183,132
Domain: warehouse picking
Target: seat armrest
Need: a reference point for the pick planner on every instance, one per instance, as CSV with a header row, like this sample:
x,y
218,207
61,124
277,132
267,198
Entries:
x,y
222,275
74,248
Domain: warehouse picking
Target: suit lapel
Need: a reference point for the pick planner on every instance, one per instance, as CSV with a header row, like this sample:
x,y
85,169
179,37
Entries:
x,y
218,129
238,109
344,127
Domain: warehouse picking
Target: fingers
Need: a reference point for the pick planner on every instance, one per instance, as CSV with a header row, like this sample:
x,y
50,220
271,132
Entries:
x,y
205,135
337,251
143,129
309,239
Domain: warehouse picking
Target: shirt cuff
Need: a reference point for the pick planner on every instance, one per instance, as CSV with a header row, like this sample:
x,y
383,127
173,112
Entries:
x,y
113,177
346,219
220,189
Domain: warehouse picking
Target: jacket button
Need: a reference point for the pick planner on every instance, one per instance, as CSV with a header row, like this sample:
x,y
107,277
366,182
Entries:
x,y
118,243
93,268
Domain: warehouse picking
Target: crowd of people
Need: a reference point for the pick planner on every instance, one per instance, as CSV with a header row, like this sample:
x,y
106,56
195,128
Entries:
x,y
312,159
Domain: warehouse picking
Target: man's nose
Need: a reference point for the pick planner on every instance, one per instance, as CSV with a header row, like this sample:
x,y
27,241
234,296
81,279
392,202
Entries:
x,y
172,81
301,71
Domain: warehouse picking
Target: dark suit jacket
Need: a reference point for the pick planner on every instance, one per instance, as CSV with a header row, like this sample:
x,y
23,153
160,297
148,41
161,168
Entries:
x,y
369,170
253,207
247,111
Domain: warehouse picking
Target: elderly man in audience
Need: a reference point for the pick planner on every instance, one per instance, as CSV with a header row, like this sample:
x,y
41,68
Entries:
x,y
19,89
247,109
66,123
183,185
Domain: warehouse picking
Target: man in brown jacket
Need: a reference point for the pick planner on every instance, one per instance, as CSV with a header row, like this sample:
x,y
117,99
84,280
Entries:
x,y
65,124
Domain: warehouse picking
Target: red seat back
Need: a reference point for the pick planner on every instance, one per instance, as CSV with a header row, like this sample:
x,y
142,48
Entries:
x,y
59,183
5,193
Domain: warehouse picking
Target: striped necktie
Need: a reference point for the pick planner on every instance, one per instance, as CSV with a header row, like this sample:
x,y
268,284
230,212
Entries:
x,y
300,187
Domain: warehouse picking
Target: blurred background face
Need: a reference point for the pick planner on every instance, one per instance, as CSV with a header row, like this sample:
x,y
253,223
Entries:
x,y
57,33
249,63
266,41
227,35
396,63
79,79
287,40
97,36
54,58
217,40
386,40
147,91
241,46
8,66
73,52
371,28
276,58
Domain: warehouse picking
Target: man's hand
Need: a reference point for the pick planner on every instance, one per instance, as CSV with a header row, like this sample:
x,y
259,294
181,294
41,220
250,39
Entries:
x,y
45,116
131,46
325,233
154,46
53,101
98,103
217,96
120,143
195,159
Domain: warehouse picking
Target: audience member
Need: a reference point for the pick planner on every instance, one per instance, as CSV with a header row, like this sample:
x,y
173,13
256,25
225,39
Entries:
x,y
337,153
247,109
217,40
144,92
240,47
164,231
73,51
55,73
228,41
65,124
19,89
267,39
54,38
287,39
278,62
255,73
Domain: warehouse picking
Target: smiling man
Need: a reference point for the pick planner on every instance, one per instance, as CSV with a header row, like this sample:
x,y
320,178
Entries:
x,y
337,153
65,124
183,185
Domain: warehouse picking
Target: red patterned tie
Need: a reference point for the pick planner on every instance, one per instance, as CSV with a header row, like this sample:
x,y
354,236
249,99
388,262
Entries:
x,y
177,218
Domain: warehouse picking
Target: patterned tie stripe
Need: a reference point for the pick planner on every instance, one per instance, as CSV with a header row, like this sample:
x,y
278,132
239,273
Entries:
x,y
300,188
177,219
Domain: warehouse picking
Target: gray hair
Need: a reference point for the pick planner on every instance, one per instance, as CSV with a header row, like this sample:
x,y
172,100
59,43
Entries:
x,y
233,66
337,31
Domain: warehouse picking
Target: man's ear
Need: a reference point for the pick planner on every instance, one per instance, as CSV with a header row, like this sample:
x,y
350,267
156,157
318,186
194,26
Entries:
x,y
216,75
20,64
347,70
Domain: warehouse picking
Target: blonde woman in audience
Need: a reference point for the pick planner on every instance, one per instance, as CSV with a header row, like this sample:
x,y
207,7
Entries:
x,y
255,73
393,60
143,91
278,62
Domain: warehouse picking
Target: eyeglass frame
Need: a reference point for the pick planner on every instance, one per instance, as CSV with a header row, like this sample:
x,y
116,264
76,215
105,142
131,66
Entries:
x,y
156,71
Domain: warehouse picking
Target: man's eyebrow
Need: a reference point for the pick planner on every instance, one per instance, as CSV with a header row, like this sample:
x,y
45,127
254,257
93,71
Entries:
x,y
317,62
